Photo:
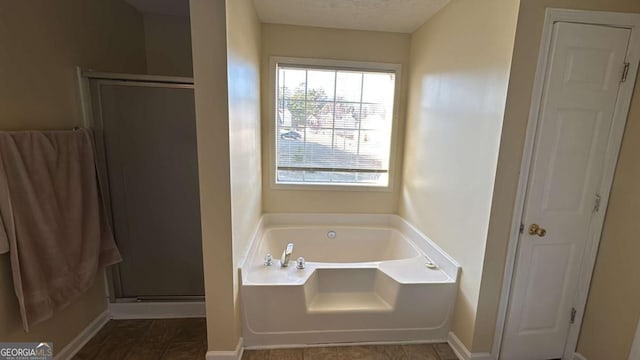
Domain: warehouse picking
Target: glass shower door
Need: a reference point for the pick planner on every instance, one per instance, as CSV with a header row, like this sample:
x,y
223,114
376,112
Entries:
x,y
146,137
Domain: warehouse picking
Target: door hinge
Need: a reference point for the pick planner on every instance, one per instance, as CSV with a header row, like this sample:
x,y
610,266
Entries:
x,y
521,228
573,316
596,205
625,72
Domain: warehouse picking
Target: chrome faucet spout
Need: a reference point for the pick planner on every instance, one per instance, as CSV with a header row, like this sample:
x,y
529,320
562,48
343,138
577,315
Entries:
x,y
286,255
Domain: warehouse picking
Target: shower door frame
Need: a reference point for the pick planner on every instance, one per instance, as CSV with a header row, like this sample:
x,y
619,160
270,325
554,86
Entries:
x,y
93,120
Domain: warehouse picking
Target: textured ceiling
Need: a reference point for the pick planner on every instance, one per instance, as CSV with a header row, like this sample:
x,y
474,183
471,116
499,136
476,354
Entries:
x,y
380,15
161,7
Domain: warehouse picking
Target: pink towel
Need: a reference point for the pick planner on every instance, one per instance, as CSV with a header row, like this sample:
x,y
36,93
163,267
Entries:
x,y
53,219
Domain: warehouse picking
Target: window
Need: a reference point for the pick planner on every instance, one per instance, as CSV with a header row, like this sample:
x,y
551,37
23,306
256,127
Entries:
x,y
333,124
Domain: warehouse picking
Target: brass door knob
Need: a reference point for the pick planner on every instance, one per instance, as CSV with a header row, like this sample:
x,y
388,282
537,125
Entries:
x,y
535,229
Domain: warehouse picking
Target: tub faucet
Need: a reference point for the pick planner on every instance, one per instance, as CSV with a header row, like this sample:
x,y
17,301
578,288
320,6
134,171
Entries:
x,y
286,255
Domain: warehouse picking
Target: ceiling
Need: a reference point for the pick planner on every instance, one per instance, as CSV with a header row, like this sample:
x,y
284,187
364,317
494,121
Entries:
x,y
403,16
161,7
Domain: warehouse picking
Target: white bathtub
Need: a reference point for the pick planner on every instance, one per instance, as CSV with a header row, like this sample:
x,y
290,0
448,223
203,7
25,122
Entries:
x,y
373,282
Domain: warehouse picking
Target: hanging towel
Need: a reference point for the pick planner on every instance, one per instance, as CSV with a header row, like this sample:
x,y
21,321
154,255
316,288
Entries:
x,y
52,218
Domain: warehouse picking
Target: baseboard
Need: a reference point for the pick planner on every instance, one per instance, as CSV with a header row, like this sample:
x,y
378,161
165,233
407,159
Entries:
x,y
157,310
254,340
359,343
79,341
227,355
463,353
578,356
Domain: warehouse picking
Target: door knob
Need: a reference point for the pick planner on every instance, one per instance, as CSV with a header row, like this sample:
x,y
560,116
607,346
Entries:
x,y
535,229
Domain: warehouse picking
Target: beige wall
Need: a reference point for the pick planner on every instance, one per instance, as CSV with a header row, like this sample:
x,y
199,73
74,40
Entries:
x,y
42,42
458,83
613,308
209,38
243,46
614,303
226,54
168,45
62,328
310,42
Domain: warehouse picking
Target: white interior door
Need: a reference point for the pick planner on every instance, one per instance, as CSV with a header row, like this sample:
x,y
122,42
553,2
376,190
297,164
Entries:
x,y
579,97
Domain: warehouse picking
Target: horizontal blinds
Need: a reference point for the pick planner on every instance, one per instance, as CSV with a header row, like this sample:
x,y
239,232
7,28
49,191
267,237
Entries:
x,y
333,125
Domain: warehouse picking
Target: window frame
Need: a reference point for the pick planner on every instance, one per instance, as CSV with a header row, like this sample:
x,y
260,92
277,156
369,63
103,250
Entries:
x,y
330,64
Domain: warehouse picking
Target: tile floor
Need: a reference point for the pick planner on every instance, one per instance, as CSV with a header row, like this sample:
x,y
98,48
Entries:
x,y
173,339
178,339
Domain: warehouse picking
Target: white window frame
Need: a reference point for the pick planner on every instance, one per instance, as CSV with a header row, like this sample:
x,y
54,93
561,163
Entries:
x,y
274,61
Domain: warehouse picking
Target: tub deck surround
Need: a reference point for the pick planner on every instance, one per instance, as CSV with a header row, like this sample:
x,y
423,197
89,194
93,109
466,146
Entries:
x,y
373,282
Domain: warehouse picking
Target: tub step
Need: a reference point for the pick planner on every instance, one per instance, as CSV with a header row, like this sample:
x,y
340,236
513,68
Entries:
x,y
348,302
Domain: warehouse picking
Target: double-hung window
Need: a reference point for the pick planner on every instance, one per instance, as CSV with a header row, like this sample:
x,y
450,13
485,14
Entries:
x,y
333,124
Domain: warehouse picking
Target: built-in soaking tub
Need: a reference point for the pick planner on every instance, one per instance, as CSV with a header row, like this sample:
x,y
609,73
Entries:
x,y
367,278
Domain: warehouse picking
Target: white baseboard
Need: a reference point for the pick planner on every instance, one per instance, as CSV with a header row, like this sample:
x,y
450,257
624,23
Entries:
x,y
79,341
227,355
358,343
157,310
463,353
578,356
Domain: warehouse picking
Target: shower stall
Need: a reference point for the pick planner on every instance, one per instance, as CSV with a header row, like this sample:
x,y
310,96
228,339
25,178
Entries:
x,y
146,147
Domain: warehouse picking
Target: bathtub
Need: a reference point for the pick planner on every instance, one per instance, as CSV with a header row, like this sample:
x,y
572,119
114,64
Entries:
x,y
377,280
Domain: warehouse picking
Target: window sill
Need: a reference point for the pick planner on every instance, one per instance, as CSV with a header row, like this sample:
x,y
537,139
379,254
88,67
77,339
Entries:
x,y
330,187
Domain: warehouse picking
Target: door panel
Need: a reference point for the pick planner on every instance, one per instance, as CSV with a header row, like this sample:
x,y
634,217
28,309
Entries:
x,y
578,102
149,140
549,270
569,159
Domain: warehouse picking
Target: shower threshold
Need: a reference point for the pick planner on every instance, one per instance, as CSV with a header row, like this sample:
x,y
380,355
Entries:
x,y
139,299
157,308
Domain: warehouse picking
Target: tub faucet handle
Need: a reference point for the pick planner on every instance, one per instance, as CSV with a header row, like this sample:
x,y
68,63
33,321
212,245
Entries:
x,y
268,260
286,255
300,264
